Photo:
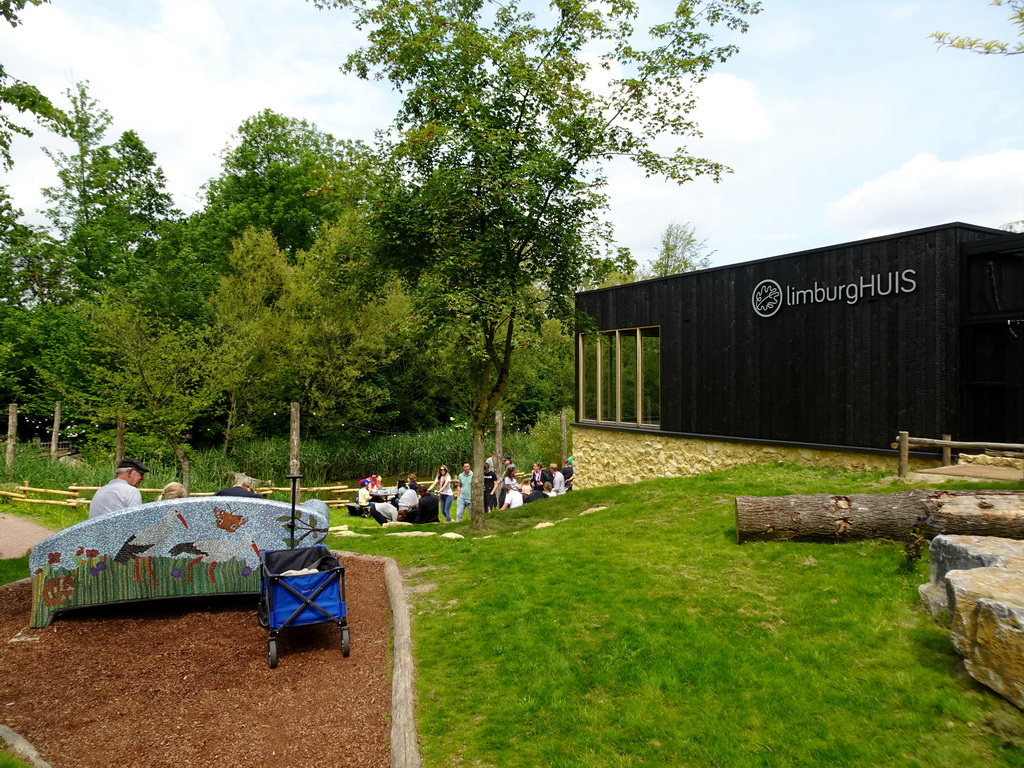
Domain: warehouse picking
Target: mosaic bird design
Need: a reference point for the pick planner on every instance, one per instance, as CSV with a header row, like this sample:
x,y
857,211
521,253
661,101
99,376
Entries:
x,y
135,548
212,551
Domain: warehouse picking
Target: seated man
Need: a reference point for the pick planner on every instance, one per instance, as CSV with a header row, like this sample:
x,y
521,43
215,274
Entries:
x,y
409,497
513,498
536,493
242,487
383,512
121,492
363,497
425,510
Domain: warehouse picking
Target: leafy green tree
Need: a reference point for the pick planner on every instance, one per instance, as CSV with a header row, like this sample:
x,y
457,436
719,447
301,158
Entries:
x,y
110,202
980,45
680,251
283,175
157,377
493,211
19,94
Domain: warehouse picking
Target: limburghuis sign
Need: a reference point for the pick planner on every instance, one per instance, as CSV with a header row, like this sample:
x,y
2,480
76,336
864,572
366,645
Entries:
x,y
768,296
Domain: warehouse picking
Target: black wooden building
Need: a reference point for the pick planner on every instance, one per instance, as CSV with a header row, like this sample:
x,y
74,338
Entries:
x,y
837,347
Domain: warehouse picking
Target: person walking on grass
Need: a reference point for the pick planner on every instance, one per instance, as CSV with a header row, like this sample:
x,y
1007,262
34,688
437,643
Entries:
x,y
465,491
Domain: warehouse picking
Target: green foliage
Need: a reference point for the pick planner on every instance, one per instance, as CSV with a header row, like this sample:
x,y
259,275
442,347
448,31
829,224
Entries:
x,y
110,200
642,634
19,94
980,45
283,175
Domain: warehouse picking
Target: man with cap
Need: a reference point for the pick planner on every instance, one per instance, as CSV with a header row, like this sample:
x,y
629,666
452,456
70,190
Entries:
x,y
121,492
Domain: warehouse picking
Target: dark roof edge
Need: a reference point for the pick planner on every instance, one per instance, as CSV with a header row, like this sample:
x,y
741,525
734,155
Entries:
x,y
877,239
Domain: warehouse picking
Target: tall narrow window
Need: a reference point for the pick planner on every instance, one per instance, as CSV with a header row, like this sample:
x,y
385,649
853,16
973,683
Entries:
x,y
589,373
650,356
608,378
627,376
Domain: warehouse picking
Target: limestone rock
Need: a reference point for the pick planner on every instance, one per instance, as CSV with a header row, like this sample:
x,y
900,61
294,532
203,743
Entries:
x,y
452,535
959,553
998,658
966,588
412,533
349,533
545,524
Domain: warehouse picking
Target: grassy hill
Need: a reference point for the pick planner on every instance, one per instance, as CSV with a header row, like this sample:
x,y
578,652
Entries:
x,y
642,634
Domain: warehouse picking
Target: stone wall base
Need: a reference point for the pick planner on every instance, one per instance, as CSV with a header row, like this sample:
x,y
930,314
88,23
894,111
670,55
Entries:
x,y
984,460
609,457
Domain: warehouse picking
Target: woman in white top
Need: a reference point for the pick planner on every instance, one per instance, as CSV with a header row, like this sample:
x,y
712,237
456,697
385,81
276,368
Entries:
x,y
443,481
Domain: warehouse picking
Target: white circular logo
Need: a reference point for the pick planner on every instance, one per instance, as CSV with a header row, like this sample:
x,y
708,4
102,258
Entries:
x,y
767,298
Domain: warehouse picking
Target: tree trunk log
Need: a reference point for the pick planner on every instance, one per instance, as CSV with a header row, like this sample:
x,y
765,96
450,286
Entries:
x,y
824,517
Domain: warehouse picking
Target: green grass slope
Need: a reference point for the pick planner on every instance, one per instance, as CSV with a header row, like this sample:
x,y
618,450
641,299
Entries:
x,y
642,634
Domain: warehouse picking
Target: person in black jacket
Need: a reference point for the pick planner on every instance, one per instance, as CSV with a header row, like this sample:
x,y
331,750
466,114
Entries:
x,y
426,508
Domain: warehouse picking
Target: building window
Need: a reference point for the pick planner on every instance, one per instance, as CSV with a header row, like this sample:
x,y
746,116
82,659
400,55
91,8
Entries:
x,y
619,377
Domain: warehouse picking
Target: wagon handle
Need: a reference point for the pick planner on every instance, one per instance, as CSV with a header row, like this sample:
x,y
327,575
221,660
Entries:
x,y
295,493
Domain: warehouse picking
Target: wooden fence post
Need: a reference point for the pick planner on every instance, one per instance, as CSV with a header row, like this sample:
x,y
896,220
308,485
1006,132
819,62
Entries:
x,y
947,452
904,454
498,447
12,433
295,444
565,439
55,435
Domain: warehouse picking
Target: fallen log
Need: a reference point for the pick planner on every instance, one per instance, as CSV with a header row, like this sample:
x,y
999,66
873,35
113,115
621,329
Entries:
x,y
827,517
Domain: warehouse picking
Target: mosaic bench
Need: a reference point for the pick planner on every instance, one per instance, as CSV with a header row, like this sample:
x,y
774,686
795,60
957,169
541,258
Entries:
x,y
175,548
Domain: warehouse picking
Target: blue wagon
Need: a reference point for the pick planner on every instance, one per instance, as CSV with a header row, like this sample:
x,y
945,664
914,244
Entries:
x,y
300,587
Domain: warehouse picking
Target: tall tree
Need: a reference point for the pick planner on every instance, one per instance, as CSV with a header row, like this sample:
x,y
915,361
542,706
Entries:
x,y
18,94
680,251
493,215
110,201
283,175
980,45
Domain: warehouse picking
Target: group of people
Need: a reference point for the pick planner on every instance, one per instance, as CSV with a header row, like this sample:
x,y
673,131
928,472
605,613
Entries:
x,y
123,490
416,502
542,483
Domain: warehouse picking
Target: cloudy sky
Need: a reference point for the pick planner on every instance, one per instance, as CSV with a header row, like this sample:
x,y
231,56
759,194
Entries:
x,y
840,120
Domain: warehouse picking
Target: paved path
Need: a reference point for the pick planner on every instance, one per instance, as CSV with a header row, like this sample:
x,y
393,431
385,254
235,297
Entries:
x,y
975,472
18,535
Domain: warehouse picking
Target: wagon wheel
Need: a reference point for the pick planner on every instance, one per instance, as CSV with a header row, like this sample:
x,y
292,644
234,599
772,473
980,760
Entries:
x,y
272,652
263,613
345,646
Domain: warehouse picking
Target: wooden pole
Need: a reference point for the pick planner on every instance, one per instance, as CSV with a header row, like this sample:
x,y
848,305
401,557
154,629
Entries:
x,y
947,452
904,441
499,425
55,435
565,439
120,440
295,442
12,433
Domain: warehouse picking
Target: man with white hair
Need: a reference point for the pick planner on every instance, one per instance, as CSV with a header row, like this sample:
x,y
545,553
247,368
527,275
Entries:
x,y
121,492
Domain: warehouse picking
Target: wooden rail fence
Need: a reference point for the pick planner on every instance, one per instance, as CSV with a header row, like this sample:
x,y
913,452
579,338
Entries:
x,y
904,442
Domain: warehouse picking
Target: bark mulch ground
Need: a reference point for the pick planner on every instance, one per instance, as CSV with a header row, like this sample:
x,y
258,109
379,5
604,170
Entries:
x,y
185,683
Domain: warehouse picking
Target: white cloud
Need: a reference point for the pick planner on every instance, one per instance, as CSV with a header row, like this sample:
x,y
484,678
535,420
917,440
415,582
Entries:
x,y
730,109
985,189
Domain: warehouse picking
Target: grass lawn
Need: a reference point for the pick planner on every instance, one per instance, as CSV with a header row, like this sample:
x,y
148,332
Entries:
x,y
642,634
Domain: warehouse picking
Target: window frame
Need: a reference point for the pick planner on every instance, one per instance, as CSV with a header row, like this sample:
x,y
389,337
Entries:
x,y
638,384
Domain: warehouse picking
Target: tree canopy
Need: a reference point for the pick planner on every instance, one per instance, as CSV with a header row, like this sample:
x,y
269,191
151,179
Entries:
x,y
492,210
